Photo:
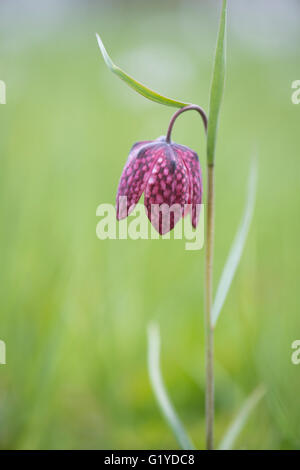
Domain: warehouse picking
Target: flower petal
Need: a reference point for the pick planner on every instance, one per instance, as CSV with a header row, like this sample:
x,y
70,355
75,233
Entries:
x,y
134,176
167,190
192,164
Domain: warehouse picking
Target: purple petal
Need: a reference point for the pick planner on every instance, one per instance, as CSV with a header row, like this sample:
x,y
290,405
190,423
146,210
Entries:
x,y
192,164
167,190
134,176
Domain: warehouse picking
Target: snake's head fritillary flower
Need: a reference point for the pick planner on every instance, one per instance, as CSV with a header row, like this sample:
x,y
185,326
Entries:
x,y
169,175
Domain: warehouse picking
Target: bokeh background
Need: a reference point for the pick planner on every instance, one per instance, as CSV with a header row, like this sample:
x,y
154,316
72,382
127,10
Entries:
x,y
74,309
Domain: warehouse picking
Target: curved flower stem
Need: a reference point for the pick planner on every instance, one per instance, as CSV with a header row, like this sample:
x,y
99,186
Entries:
x,y
209,331
182,110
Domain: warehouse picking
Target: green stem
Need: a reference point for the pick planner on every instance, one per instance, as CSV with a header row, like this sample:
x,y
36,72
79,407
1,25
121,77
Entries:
x,y
209,332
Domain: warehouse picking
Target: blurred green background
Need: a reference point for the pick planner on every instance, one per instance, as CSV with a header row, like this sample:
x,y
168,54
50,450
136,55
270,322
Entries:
x,y
74,309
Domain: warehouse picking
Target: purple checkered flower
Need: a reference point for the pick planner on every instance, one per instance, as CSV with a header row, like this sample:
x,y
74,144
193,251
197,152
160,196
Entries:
x,y
169,175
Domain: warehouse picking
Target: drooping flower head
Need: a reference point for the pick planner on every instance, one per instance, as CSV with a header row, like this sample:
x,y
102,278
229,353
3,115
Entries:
x,y
168,174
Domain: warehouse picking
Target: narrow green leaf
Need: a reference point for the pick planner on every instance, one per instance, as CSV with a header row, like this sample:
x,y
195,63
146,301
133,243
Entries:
x,y
236,248
217,87
240,420
160,392
137,86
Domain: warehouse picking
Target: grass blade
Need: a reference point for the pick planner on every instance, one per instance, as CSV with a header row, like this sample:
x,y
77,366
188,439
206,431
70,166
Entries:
x,y
217,87
236,248
137,86
159,389
239,422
